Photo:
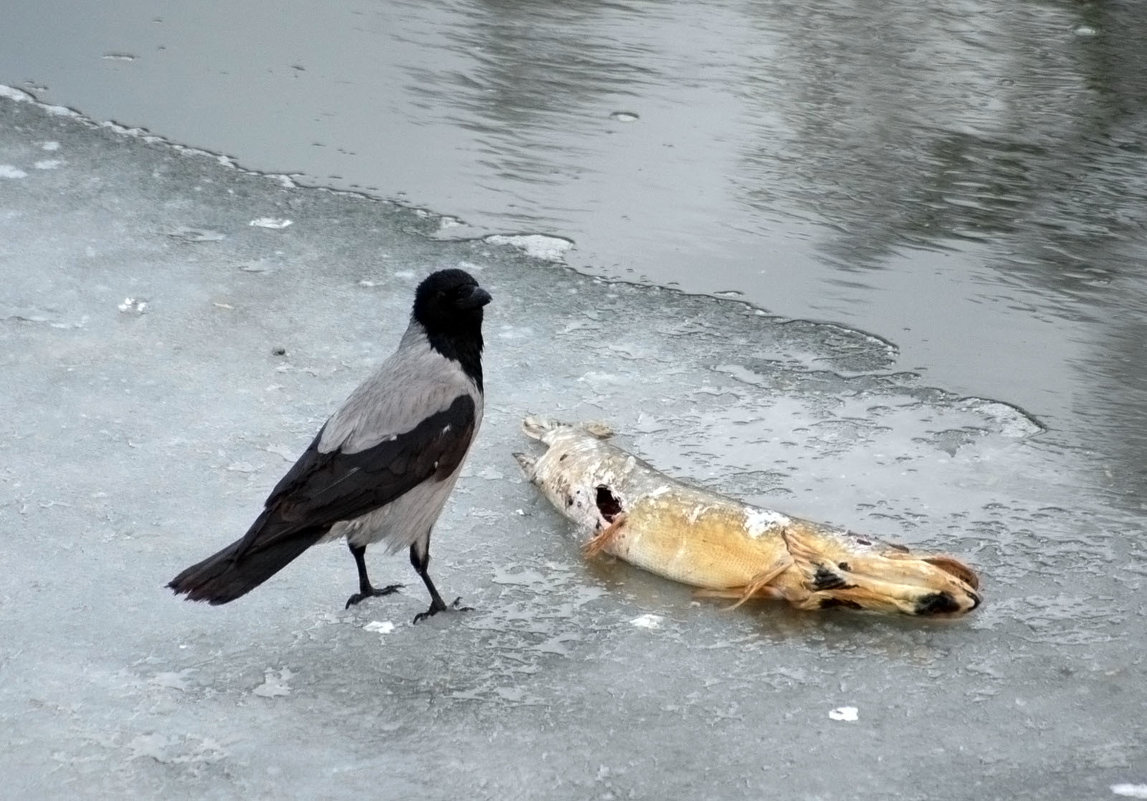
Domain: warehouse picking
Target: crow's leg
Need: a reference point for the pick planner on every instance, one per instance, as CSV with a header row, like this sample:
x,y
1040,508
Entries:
x,y
365,590
420,558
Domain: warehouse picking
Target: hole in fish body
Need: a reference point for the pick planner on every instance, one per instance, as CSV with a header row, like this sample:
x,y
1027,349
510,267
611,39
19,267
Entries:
x,y
608,504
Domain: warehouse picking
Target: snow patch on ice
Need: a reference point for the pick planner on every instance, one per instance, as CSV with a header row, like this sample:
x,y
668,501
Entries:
x,y
15,94
8,171
48,164
546,248
1130,790
379,626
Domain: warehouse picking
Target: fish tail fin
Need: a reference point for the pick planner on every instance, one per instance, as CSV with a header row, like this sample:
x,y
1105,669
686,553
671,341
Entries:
x,y
241,567
892,582
957,568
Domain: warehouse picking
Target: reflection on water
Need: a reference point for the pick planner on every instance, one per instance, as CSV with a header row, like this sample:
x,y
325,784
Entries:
x,y
965,178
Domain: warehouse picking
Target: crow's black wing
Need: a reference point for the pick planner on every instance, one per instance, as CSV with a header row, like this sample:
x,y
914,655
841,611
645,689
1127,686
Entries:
x,y
323,488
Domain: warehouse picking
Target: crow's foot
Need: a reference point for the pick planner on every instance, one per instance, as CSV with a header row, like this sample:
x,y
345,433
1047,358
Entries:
x,y
371,592
438,606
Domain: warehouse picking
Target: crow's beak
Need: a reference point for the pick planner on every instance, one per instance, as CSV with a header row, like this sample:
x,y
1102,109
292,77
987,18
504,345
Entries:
x,y
478,298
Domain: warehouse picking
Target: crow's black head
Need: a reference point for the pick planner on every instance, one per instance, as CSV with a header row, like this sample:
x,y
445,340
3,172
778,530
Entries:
x,y
450,302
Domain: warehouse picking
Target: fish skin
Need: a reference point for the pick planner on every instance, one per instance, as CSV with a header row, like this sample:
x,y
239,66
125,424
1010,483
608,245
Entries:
x,y
727,548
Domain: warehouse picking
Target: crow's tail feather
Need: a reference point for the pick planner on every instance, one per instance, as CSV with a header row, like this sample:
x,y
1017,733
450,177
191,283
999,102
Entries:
x,y
240,568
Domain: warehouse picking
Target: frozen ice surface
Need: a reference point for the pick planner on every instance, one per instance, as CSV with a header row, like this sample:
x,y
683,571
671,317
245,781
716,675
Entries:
x,y
132,445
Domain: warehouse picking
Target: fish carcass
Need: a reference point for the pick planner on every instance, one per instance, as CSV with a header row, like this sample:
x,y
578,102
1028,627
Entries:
x,y
728,548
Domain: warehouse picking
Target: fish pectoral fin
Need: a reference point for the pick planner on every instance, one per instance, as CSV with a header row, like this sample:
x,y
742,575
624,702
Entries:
x,y
601,540
527,463
758,587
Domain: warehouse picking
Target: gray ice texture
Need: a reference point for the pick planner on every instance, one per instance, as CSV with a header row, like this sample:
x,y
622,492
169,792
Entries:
x,y
164,360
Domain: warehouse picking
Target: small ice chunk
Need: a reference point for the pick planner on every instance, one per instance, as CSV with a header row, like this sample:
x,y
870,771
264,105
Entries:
x,y
50,146
848,713
624,116
242,467
647,621
270,222
118,57
379,626
48,164
132,305
1130,790
546,248
8,171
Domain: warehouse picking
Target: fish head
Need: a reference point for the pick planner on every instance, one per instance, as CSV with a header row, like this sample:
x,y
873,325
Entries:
x,y
579,472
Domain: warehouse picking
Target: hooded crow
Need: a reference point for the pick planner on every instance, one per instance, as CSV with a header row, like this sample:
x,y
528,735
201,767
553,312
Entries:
x,y
382,466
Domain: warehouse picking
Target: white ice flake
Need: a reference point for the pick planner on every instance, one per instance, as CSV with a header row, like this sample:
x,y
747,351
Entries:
x,y
379,626
270,222
133,306
848,713
8,171
1130,790
647,621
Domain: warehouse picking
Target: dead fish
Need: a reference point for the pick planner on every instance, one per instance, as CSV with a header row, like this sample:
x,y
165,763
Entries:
x,y
728,548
